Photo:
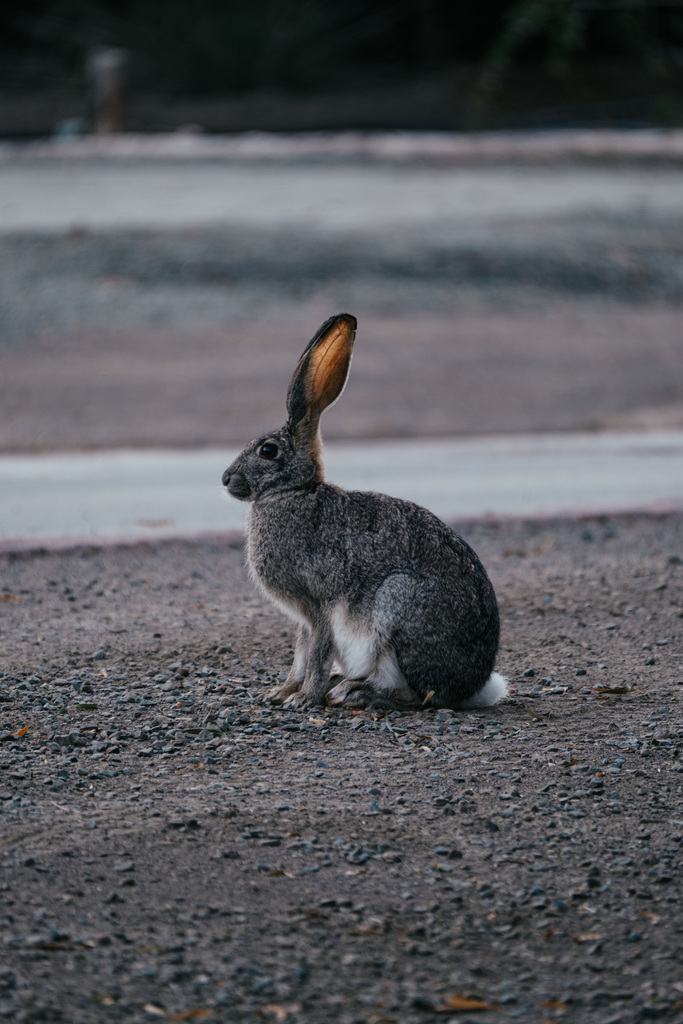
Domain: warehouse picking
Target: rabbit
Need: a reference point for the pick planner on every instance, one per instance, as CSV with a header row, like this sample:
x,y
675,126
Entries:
x,y
391,604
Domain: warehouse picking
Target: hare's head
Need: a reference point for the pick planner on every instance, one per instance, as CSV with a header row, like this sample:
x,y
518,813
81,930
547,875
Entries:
x,y
290,458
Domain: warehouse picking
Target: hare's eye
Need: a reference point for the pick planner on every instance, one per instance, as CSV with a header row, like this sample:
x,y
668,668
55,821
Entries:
x,y
268,450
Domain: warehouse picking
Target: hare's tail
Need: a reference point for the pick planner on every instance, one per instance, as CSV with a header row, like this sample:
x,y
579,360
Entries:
x,y
493,690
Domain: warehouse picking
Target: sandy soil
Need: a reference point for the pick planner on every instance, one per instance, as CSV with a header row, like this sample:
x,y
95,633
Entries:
x,y
174,848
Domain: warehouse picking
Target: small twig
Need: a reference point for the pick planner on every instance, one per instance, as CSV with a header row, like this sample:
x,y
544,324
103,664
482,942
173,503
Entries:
x,y
389,727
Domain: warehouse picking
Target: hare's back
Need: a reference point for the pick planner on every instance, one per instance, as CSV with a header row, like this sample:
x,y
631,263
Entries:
x,y
400,531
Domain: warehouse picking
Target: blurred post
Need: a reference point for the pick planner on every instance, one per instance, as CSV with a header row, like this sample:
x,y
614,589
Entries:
x,y
106,77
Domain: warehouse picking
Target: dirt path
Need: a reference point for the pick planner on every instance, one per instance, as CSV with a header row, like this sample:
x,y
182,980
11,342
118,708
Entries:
x,y
173,848
562,365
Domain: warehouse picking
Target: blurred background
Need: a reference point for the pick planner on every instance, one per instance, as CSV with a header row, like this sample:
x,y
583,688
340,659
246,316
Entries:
x,y
285,65
162,265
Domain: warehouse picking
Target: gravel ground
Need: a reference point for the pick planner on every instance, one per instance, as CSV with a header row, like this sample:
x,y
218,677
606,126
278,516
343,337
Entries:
x,y
174,848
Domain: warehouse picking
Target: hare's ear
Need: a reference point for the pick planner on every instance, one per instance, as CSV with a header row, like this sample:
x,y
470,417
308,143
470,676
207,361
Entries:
x,y
321,374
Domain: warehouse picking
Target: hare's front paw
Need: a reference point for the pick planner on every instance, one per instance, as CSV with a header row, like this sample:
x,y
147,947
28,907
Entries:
x,y
296,701
279,694
306,697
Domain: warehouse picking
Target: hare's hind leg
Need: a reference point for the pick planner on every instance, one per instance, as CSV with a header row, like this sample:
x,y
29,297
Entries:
x,y
384,684
352,693
366,654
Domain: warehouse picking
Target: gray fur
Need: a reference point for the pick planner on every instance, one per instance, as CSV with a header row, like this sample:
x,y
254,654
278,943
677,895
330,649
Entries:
x,y
374,582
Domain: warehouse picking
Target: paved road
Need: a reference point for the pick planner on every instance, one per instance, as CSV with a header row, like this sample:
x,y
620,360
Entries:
x,y
47,196
129,495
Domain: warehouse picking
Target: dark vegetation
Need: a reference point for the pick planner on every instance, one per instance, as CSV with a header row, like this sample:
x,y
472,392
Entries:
x,y
489,64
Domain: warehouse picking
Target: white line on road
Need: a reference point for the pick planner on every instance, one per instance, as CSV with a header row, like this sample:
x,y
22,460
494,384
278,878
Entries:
x,y
110,496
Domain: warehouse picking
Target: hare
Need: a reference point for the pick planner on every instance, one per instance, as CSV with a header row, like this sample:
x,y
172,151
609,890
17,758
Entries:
x,y
390,602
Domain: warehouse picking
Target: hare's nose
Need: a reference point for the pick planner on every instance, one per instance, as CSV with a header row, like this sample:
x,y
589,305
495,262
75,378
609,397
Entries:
x,y
225,479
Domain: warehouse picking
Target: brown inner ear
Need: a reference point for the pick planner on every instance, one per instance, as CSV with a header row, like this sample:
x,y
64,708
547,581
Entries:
x,y
328,368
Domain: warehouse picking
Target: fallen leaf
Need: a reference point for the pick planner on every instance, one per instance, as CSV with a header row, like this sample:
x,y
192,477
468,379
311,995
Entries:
x,y
279,1012
650,916
104,1000
22,732
373,927
589,937
428,697
8,597
156,1011
463,1004
191,1014
554,1004
568,764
